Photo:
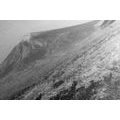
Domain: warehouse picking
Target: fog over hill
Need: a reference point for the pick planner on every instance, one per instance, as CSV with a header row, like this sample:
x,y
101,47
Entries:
x,y
80,62
11,31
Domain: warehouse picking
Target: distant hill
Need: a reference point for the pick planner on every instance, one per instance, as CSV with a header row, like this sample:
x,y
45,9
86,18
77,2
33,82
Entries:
x,y
78,62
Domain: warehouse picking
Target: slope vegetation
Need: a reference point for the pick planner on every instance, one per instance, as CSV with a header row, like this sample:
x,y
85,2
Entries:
x,y
79,62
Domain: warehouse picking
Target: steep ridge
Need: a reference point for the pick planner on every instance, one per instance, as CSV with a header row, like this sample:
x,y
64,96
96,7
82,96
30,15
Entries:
x,y
36,53
80,62
93,73
38,45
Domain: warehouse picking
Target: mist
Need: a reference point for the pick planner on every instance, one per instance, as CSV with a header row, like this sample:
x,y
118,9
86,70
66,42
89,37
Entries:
x,y
11,31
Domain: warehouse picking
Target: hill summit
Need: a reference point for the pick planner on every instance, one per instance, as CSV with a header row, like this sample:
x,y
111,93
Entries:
x,y
77,62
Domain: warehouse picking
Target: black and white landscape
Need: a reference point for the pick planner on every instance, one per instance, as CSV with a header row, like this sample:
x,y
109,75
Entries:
x,y
80,62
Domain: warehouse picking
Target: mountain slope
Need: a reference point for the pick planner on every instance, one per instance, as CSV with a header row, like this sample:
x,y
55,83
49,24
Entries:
x,y
79,62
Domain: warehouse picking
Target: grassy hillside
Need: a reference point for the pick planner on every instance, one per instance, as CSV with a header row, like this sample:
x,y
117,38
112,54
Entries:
x,y
79,62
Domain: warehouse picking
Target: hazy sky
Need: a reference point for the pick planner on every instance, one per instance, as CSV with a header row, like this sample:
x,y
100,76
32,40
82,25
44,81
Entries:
x,y
11,31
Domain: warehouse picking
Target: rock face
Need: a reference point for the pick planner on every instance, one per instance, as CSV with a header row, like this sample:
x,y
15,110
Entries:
x,y
79,63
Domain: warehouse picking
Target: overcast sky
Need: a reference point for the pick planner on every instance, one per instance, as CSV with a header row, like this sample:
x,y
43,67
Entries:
x,y
11,31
